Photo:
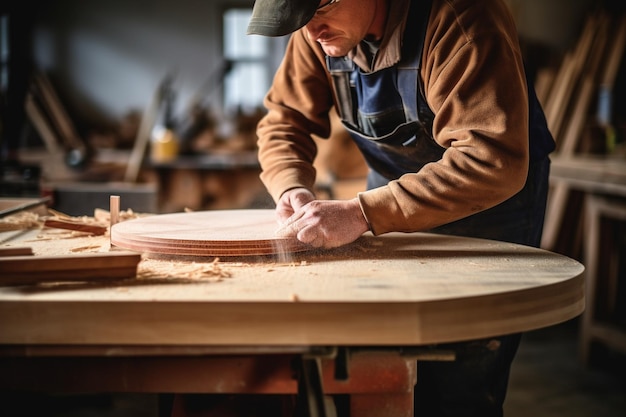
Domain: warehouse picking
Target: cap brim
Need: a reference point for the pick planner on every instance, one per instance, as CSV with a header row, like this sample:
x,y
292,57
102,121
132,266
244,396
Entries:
x,y
280,17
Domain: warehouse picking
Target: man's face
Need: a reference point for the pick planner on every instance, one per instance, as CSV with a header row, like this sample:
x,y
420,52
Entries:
x,y
341,25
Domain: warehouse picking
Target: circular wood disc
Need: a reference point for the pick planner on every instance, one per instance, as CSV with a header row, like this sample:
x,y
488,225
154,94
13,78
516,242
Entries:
x,y
205,233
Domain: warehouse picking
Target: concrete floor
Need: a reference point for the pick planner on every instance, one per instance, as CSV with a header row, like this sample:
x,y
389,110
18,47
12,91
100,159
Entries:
x,y
547,380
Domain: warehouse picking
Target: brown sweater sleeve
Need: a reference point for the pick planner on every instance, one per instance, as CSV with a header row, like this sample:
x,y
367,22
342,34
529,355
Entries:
x,y
298,104
474,83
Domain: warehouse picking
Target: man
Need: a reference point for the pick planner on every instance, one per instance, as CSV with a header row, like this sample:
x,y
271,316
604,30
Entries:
x,y
434,94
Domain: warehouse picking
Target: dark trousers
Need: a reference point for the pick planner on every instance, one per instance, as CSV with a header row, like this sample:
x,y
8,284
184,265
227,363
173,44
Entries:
x,y
475,384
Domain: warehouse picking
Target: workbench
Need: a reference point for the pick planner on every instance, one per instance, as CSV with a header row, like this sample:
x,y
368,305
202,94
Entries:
x,y
213,181
351,321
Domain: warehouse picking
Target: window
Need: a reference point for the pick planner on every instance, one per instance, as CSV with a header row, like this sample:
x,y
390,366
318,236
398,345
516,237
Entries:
x,y
248,60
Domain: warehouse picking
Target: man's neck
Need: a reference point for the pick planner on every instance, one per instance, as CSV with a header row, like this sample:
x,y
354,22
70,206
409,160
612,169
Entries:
x,y
377,29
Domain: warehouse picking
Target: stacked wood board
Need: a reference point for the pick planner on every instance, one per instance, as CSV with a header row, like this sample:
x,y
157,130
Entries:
x,y
205,233
571,98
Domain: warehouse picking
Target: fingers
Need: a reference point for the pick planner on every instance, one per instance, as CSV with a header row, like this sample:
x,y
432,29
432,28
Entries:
x,y
312,236
292,225
300,197
326,224
287,230
292,201
305,233
300,227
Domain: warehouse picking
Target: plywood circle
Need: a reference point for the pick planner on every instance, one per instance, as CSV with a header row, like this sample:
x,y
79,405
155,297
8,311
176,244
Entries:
x,y
205,233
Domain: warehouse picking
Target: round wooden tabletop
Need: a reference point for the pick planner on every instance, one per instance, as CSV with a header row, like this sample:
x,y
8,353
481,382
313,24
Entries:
x,y
395,289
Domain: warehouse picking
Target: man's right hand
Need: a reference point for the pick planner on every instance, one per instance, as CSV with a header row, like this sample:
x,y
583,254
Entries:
x,y
291,201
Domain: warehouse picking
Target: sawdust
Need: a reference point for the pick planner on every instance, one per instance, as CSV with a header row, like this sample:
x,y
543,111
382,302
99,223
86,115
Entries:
x,y
30,220
157,269
149,267
103,217
58,234
214,271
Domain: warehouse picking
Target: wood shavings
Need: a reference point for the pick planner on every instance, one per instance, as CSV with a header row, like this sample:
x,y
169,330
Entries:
x,y
56,234
29,220
76,224
150,268
86,225
104,216
85,248
20,221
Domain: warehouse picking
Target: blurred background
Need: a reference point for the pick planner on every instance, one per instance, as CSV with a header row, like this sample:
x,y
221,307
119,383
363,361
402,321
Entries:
x,y
157,101
145,92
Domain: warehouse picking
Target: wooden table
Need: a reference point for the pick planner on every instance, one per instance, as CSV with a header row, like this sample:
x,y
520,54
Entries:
x,y
236,329
598,175
603,182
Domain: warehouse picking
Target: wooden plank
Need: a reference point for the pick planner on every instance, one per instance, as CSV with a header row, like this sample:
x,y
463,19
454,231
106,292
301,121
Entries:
x,y
557,101
18,270
114,210
580,114
583,66
76,226
142,140
57,112
42,125
567,78
616,54
596,67
206,233
15,205
607,83
543,84
16,251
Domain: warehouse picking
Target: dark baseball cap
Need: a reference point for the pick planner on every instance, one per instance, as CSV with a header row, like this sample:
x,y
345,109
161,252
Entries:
x,y
280,17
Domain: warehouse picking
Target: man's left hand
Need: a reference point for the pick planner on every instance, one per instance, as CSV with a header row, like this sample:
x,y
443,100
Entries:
x,y
326,223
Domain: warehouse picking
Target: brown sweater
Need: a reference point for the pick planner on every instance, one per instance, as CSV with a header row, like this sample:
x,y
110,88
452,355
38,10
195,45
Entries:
x,y
474,82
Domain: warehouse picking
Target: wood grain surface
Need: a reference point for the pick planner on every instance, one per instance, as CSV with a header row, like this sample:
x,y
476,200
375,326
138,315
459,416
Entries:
x,y
395,289
205,233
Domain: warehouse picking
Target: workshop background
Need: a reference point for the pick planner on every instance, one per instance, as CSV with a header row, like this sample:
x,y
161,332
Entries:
x,y
157,101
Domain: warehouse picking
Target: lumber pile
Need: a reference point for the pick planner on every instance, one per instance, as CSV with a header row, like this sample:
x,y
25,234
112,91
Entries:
x,y
576,97
52,122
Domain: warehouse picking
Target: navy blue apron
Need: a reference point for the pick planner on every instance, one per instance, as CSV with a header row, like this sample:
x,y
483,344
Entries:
x,y
390,121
